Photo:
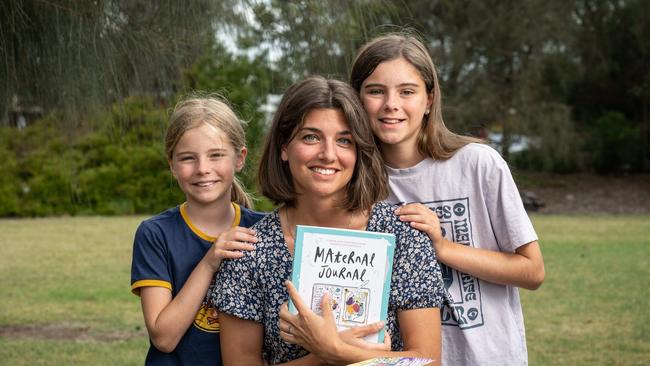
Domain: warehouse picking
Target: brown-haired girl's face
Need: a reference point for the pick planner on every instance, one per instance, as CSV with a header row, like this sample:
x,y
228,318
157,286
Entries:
x,y
396,99
204,163
322,155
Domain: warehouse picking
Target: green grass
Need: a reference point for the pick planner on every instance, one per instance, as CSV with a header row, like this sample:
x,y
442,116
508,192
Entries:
x,y
65,296
65,299
594,306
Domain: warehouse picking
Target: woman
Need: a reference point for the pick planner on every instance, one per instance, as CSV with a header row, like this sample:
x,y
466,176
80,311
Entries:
x,y
321,164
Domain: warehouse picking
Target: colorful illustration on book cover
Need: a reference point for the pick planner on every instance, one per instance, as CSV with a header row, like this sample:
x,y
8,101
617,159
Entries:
x,y
335,292
356,304
349,304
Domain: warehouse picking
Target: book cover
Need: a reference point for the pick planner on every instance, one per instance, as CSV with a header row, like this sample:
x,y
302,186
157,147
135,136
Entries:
x,y
353,266
394,361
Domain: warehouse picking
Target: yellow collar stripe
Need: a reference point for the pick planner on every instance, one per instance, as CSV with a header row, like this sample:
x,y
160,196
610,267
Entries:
x,y
201,234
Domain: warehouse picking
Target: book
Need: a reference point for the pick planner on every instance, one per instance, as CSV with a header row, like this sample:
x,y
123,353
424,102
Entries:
x,y
353,266
394,361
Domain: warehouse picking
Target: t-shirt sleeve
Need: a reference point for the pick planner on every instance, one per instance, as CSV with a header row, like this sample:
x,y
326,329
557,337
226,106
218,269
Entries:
x,y
417,279
510,222
236,289
149,265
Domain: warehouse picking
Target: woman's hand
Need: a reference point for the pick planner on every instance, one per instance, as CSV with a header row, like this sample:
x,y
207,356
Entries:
x,y
353,336
424,219
315,333
229,245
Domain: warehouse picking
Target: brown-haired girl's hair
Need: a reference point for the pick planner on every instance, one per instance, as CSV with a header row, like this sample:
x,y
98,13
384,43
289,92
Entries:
x,y
215,111
434,139
369,182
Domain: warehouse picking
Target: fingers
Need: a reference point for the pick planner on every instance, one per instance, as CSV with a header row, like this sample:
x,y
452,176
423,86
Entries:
x,y
326,307
284,312
412,209
416,212
295,298
231,243
368,329
238,234
387,343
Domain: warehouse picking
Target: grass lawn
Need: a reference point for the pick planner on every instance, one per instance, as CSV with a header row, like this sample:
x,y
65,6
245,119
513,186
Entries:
x,y
65,299
594,306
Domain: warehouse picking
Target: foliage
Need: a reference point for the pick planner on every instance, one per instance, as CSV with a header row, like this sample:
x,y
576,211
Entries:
x,y
613,85
72,54
572,77
120,169
614,143
543,69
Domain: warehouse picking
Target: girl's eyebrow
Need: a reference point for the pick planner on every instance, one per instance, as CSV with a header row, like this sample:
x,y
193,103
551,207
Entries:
x,y
194,152
402,85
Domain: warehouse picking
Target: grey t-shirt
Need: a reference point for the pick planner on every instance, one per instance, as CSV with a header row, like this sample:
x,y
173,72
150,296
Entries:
x,y
478,204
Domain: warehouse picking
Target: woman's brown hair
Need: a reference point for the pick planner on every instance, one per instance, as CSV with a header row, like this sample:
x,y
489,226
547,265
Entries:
x,y
369,182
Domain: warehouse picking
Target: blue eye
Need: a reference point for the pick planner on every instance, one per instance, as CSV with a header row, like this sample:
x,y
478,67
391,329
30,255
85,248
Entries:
x,y
408,92
310,138
345,141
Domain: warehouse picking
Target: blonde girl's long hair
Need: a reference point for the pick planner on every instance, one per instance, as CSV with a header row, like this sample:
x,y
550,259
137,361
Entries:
x,y
434,139
214,111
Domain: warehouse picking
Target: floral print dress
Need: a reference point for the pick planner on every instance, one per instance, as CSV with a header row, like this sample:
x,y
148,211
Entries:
x,y
252,287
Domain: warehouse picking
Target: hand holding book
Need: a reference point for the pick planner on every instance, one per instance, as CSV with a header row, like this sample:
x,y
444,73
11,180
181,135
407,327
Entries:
x,y
319,334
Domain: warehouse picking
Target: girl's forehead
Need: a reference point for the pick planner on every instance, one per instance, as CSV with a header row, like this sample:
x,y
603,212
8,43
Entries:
x,y
395,71
203,136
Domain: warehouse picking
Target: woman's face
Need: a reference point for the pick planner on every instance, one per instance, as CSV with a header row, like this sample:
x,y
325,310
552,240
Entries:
x,y
322,155
396,99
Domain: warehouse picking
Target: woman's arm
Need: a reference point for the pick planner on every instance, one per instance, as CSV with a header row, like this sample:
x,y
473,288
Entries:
x,y
523,268
420,329
167,318
241,341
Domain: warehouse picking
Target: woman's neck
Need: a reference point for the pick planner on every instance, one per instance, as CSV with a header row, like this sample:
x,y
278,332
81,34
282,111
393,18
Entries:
x,y
400,156
211,219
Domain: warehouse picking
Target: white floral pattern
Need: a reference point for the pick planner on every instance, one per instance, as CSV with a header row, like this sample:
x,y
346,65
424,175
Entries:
x,y
253,288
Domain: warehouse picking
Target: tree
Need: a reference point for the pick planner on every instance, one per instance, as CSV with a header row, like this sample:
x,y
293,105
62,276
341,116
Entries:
x,y
611,97
69,54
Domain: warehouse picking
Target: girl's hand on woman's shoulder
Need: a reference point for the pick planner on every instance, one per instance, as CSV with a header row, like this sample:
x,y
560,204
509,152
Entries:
x,y
424,219
230,245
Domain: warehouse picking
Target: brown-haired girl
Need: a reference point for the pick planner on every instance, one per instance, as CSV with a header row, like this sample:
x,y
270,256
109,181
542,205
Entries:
x,y
480,229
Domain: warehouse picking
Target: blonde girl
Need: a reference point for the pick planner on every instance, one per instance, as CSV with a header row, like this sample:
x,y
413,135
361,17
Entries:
x,y
177,252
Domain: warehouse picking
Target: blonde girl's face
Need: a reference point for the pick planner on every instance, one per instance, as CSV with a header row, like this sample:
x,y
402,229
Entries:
x,y
396,99
321,156
204,163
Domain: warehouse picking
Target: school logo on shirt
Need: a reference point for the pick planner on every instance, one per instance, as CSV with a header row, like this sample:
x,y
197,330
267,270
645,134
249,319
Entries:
x,y
207,319
466,311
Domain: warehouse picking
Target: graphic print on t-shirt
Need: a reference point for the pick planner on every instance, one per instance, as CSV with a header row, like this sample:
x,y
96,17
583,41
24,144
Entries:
x,y
466,311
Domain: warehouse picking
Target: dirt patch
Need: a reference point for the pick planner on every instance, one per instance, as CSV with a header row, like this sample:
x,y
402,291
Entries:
x,y
65,332
587,193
